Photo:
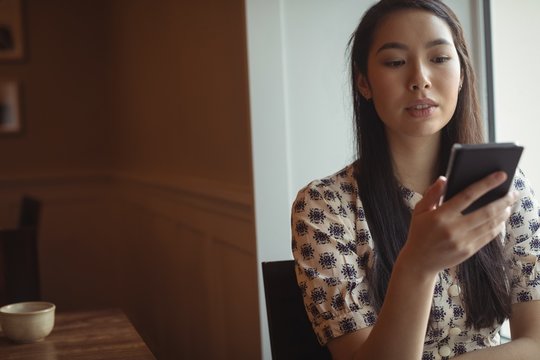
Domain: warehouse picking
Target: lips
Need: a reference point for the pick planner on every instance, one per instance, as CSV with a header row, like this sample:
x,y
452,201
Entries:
x,y
421,103
421,107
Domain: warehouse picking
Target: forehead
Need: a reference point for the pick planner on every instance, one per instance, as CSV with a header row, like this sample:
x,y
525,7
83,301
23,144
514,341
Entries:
x,y
411,27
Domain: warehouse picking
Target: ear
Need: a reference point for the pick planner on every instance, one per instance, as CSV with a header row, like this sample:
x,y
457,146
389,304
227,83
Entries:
x,y
362,84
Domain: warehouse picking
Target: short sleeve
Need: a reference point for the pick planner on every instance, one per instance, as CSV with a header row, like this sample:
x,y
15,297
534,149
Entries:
x,y
522,242
331,255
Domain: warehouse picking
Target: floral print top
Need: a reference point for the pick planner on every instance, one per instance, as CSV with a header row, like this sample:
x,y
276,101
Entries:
x,y
331,244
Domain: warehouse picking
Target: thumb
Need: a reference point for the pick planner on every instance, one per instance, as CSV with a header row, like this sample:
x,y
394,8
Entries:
x,y
432,196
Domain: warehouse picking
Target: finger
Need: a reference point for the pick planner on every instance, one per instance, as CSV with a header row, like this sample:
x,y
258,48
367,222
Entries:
x,y
432,196
473,192
492,210
486,232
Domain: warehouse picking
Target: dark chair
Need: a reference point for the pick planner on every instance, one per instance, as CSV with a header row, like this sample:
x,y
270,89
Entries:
x,y
30,212
19,267
291,334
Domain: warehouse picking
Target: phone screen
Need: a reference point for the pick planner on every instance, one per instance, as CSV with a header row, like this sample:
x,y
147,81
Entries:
x,y
472,162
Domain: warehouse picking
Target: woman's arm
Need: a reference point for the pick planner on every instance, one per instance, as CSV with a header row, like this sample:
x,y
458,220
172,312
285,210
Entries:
x,y
401,325
440,237
525,344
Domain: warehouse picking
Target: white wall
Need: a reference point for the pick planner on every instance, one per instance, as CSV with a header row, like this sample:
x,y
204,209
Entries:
x,y
470,15
300,109
319,113
517,77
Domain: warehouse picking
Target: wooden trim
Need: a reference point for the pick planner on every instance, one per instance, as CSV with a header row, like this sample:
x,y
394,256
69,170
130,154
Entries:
x,y
195,187
207,194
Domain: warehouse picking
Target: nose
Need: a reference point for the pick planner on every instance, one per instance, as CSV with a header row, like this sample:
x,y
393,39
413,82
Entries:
x,y
419,79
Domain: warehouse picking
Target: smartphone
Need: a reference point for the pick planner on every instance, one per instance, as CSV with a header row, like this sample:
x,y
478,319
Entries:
x,y
472,162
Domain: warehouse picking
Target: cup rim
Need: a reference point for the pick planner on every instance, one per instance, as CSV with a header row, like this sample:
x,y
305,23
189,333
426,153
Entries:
x,y
47,306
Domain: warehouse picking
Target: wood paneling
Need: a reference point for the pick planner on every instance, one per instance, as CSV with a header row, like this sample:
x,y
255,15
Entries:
x,y
184,274
137,141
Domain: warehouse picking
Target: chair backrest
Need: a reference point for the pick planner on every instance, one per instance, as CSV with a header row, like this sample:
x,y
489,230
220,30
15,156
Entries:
x,y
19,267
29,213
291,334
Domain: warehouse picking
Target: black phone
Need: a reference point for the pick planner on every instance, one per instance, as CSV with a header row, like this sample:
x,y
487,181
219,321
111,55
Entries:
x,y
469,163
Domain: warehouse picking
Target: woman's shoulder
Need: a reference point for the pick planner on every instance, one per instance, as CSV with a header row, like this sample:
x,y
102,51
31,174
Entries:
x,y
339,184
524,220
521,183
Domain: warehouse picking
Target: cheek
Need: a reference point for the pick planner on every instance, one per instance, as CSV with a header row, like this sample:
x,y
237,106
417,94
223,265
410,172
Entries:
x,y
383,87
375,77
452,88
385,92
452,77
447,85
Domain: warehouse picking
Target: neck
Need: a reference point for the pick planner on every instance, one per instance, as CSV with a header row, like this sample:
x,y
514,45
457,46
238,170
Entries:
x,y
415,160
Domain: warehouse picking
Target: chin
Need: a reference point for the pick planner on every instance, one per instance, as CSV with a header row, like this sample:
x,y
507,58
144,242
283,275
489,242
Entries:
x,y
428,128
420,133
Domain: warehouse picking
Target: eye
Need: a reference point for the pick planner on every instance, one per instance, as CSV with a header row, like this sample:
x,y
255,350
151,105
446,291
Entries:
x,y
394,63
441,59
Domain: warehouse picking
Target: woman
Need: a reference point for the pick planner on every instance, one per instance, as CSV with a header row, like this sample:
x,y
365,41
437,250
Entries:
x,y
387,273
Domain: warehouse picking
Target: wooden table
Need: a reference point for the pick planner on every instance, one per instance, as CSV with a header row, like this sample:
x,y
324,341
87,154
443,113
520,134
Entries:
x,y
91,335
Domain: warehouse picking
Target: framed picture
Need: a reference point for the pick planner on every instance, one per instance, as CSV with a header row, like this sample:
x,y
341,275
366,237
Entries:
x,y
11,30
10,109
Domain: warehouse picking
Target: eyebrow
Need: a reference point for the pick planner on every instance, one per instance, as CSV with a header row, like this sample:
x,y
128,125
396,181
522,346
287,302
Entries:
x,y
401,46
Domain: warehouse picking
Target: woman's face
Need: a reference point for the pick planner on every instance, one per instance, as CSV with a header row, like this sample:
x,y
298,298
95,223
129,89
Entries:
x,y
414,74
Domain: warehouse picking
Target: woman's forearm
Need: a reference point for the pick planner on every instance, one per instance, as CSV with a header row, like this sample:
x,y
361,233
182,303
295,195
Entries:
x,y
402,322
519,349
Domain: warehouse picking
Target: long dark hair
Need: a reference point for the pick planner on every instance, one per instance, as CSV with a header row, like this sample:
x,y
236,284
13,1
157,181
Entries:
x,y
483,276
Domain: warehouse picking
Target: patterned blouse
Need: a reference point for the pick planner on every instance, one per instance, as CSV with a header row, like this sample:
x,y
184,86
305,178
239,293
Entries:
x,y
332,244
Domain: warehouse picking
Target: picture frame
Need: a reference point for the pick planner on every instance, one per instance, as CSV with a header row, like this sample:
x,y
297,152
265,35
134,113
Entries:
x,y
10,107
11,31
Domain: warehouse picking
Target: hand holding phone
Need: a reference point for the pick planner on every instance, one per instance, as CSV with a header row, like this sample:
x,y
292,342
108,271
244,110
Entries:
x,y
472,162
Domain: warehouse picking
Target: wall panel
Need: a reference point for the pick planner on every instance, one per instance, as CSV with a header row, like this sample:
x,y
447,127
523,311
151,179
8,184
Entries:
x,y
185,275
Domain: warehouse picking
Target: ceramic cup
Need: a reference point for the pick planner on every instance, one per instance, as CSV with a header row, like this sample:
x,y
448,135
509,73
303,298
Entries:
x,y
27,322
